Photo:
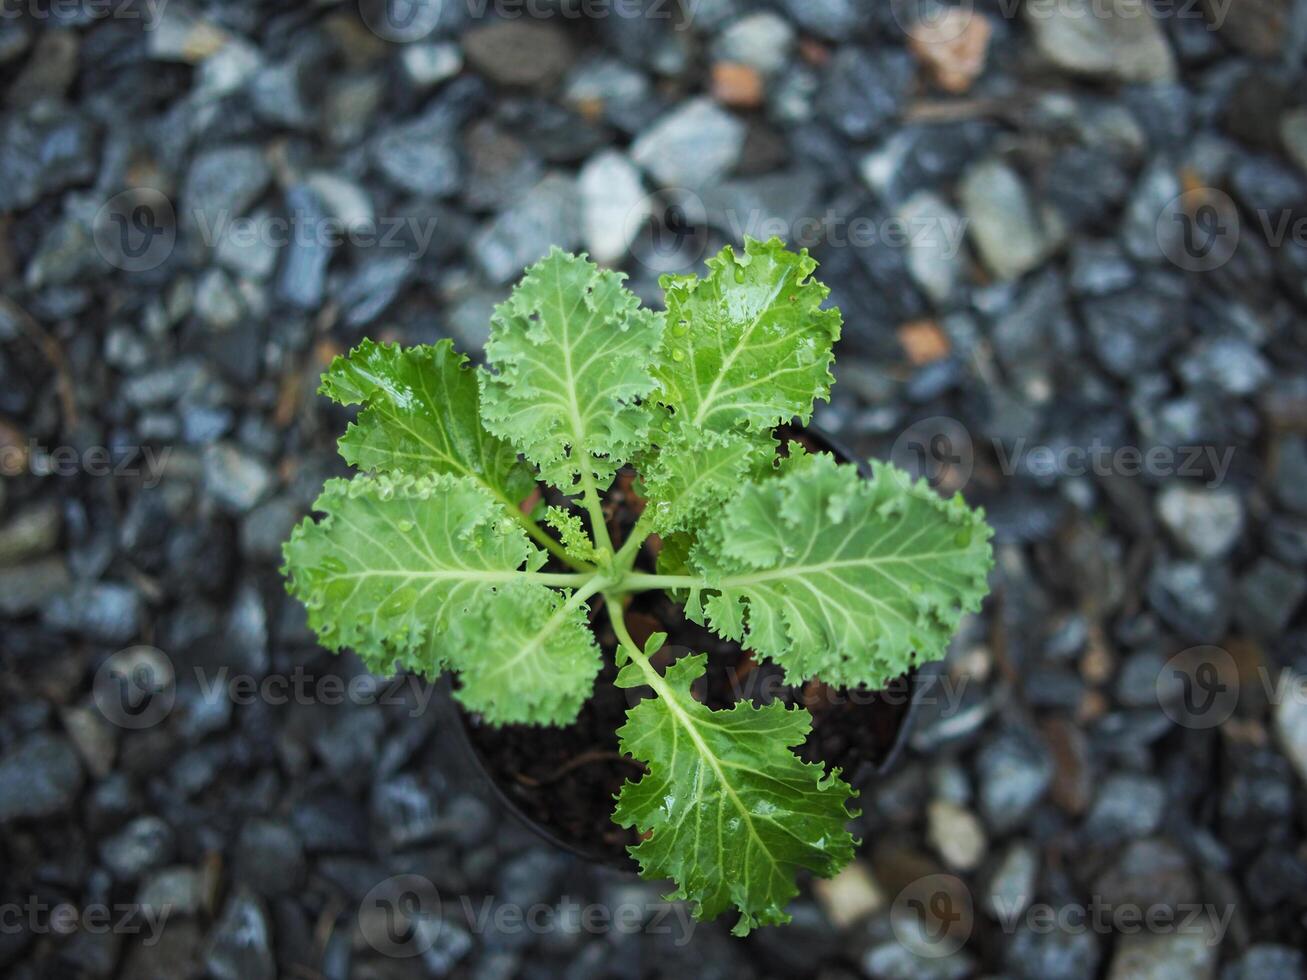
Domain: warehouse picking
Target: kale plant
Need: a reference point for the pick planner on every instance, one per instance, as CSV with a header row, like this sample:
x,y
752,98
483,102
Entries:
x,y
426,561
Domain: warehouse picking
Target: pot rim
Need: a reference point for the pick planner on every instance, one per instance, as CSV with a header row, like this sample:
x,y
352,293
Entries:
x,y
922,678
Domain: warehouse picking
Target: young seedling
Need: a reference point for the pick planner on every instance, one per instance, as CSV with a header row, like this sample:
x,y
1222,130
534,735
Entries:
x,y
426,561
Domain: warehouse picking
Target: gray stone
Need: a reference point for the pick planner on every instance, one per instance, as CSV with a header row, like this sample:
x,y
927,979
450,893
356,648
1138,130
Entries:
x,y
239,948
1011,885
143,845
302,280
95,737
1205,523
1143,235
771,204
863,90
614,205
343,199
1268,595
834,20
31,533
1128,805
39,777
696,143
244,247
891,960
1099,268
1057,954
43,150
1187,954
1119,39
1002,220
761,40
1013,773
1132,330
1293,133
234,478
220,185
430,64
106,611
1267,961
522,52
421,156
935,234
544,217
1228,363
269,858
173,891
216,300
1193,598
1291,723
23,588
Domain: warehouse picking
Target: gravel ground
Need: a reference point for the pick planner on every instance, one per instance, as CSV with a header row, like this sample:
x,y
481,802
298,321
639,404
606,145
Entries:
x,y
1070,243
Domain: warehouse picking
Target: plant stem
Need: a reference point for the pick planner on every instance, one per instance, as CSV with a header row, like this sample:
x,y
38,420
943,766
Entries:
x,y
599,526
643,582
655,679
625,558
567,580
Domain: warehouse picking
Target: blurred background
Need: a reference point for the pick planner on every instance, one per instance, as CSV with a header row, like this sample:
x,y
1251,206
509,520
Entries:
x,y
1069,240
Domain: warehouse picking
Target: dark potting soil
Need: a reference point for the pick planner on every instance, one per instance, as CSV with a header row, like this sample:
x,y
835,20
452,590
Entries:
x,y
565,779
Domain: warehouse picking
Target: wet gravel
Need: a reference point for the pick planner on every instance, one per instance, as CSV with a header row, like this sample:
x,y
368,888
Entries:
x,y
1070,244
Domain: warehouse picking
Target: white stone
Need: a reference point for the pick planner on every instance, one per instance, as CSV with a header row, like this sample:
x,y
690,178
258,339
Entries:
x,y
956,834
614,205
695,144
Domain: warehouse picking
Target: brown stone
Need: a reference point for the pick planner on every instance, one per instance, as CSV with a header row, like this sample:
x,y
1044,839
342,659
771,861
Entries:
x,y
924,342
736,85
953,47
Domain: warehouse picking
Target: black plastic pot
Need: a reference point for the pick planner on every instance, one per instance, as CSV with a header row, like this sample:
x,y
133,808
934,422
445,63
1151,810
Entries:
x,y
911,687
